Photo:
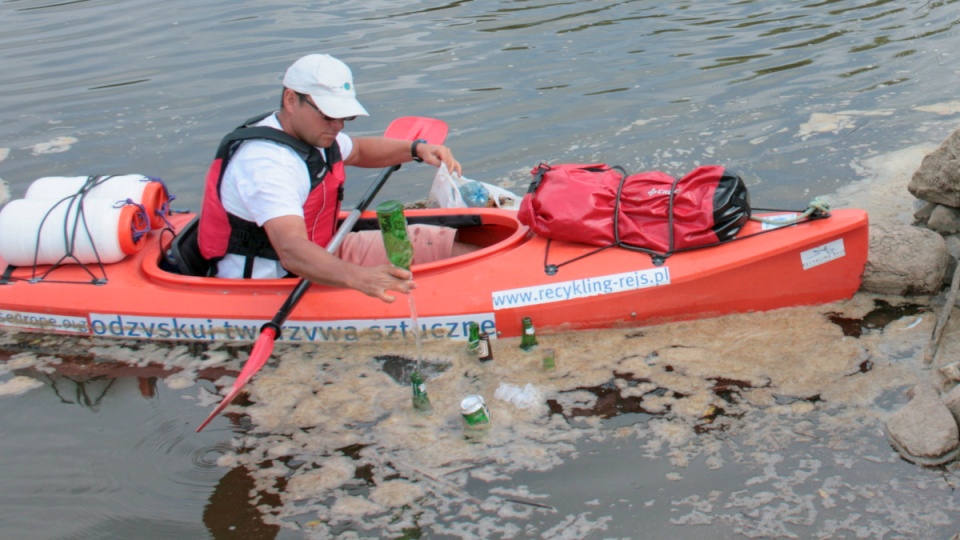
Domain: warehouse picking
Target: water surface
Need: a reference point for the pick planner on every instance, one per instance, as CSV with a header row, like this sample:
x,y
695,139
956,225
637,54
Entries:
x,y
796,95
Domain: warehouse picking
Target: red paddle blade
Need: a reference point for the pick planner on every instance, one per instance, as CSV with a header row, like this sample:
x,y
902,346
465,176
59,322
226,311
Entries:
x,y
410,128
258,357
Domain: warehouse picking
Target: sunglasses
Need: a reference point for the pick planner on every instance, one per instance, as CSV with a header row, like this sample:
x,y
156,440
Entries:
x,y
303,99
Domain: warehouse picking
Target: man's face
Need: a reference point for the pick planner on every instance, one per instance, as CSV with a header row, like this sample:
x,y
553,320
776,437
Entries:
x,y
313,125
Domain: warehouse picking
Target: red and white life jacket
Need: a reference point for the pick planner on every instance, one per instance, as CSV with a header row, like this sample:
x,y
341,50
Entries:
x,y
221,233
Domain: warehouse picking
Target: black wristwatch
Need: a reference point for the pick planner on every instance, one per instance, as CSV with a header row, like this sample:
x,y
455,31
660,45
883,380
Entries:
x,y
413,150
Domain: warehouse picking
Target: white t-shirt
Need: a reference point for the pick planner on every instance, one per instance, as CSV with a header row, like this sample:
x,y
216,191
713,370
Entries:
x,y
266,180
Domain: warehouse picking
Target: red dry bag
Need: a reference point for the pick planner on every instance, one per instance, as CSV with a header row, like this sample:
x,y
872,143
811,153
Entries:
x,y
651,211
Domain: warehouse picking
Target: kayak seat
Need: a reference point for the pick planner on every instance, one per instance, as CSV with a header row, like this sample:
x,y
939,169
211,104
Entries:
x,y
184,255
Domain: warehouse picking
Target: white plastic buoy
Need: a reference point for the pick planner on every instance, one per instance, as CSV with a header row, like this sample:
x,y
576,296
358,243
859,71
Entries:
x,y
46,231
140,189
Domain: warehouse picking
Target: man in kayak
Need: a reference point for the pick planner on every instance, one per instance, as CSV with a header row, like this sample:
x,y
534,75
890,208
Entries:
x,y
263,217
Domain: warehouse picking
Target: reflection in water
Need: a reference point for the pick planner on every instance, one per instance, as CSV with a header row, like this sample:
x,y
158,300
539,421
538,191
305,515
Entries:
x,y
86,393
234,508
147,386
618,396
883,314
233,512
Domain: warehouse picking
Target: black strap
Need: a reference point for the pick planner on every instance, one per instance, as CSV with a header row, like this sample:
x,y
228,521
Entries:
x,y
248,267
316,165
247,238
7,274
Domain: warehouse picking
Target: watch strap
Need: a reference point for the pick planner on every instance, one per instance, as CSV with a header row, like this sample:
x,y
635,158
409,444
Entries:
x,y
413,150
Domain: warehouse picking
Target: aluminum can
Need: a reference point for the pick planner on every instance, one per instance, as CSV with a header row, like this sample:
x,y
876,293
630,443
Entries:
x,y
474,410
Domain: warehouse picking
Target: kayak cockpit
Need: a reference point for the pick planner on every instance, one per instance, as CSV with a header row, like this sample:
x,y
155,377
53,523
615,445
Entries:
x,y
493,230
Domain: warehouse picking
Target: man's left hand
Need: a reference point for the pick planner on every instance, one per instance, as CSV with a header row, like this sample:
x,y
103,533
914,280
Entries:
x,y
435,154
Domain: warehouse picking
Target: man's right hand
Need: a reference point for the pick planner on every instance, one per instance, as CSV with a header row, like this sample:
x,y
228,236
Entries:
x,y
288,235
376,281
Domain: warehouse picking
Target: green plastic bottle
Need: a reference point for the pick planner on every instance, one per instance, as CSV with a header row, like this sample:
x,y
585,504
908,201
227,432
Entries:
x,y
393,229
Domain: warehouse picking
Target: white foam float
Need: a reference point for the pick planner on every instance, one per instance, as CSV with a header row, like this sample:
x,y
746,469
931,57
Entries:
x,y
70,231
144,190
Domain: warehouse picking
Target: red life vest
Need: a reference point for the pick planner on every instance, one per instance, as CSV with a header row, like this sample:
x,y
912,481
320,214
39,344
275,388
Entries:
x,y
221,233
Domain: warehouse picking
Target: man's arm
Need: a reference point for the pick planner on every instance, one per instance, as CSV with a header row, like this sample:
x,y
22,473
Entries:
x,y
288,236
379,152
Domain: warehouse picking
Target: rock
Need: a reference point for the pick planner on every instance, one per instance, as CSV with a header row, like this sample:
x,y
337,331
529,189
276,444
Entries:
x,y
952,400
953,245
905,260
925,431
923,214
938,177
951,371
944,220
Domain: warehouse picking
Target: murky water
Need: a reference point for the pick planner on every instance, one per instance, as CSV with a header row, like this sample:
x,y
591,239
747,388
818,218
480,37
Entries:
x,y
764,425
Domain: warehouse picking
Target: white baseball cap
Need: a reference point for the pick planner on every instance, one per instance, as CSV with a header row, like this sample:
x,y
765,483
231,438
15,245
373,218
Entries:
x,y
328,81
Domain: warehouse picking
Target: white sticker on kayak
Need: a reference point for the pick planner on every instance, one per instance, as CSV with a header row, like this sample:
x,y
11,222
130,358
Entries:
x,y
44,321
214,329
777,221
823,254
580,288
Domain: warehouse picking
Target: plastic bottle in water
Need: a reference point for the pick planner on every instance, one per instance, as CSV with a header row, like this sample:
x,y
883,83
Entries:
x,y
474,194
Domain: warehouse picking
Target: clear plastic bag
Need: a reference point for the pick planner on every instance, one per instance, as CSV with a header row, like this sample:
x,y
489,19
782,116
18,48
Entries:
x,y
446,193
521,398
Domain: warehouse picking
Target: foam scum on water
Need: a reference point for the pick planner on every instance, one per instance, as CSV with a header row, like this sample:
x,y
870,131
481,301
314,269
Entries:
x,y
776,418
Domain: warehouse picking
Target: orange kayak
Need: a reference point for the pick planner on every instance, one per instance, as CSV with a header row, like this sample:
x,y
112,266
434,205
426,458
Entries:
x,y
812,262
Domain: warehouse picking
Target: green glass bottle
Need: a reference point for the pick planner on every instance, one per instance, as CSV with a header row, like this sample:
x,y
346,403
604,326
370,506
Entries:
x,y
473,338
549,360
393,229
529,339
484,350
421,401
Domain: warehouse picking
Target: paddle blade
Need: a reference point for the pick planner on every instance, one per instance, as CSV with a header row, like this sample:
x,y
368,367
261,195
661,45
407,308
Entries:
x,y
410,128
258,357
